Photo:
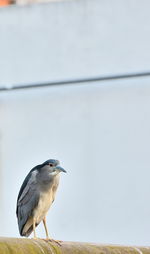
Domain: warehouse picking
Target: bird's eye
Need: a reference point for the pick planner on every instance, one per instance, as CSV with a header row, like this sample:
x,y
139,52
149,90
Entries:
x,y
51,164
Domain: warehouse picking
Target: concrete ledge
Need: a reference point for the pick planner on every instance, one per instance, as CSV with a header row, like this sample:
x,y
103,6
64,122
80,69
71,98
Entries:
x,y
27,246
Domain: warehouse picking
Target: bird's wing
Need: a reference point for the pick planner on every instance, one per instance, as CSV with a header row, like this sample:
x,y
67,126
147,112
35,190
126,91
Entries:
x,y
27,200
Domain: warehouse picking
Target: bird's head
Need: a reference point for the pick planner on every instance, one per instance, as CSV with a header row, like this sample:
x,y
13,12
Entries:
x,y
53,167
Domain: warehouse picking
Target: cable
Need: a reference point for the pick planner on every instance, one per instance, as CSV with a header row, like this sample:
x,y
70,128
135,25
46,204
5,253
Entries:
x,y
75,81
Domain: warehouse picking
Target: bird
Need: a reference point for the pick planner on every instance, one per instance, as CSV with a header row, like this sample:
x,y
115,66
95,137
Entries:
x,y
36,196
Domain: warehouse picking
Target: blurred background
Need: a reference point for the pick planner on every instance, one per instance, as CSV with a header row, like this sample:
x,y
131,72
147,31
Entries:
x,y
75,86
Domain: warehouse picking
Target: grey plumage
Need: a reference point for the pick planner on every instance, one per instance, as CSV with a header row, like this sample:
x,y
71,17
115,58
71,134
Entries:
x,y
36,195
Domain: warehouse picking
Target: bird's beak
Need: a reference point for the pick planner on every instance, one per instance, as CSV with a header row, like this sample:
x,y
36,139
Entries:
x,y
61,169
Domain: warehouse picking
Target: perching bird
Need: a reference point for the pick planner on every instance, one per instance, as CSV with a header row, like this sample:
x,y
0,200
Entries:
x,y
36,195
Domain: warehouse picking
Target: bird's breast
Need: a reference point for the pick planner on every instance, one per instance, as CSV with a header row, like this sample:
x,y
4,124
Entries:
x,y
46,199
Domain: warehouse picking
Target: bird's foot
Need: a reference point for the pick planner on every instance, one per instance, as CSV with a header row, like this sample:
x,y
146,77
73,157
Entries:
x,y
53,241
35,238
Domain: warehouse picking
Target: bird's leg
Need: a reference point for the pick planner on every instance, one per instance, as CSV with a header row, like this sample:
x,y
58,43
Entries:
x,y
46,230
47,235
35,237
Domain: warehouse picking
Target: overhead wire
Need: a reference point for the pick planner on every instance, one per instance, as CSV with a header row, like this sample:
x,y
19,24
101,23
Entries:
x,y
74,81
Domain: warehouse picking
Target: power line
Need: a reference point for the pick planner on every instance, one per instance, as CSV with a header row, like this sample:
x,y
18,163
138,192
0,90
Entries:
x,y
75,81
